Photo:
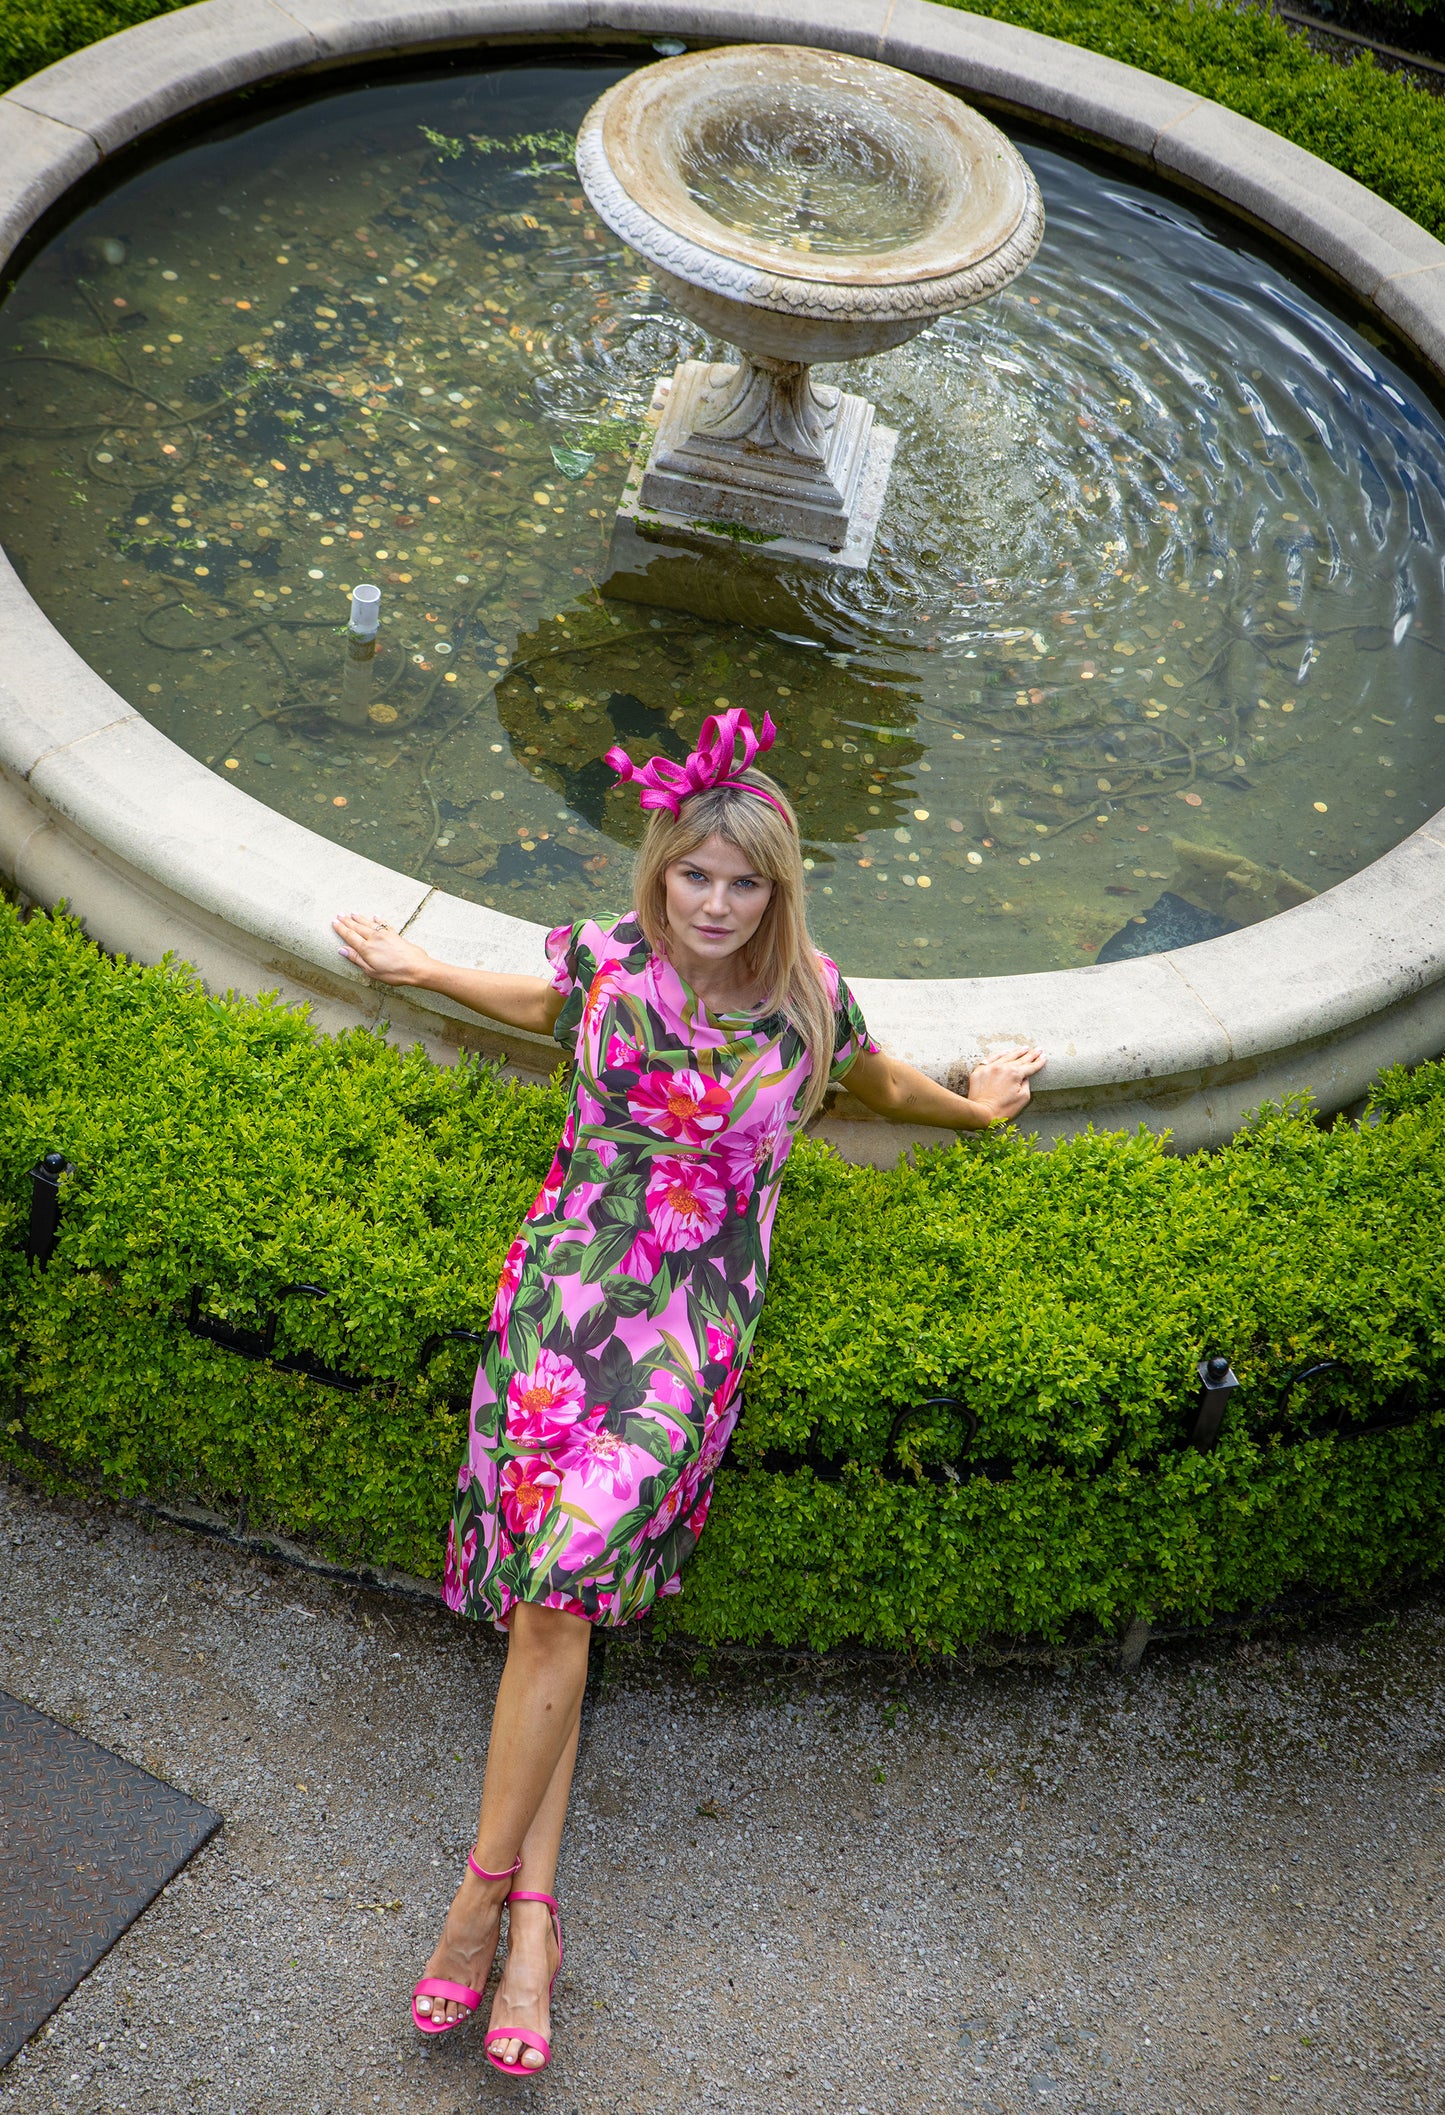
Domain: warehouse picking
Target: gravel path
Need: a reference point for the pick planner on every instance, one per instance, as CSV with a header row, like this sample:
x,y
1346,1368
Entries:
x,y
1217,1887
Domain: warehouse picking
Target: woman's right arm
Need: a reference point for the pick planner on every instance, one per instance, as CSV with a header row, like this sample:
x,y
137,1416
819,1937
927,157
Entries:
x,y
379,950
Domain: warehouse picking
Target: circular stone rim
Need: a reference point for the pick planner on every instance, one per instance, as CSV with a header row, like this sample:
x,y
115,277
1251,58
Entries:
x,y
627,118
910,300
156,854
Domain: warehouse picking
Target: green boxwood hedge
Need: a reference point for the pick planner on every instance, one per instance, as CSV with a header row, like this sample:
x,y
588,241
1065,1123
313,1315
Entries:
x,y
1380,127
1063,1298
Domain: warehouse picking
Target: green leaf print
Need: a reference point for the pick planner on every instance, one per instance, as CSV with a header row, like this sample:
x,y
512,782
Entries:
x,y
626,1296
618,1375
605,1253
564,1258
645,1432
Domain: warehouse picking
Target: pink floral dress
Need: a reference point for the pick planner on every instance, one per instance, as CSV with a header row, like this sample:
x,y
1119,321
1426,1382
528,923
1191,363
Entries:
x,y
627,1305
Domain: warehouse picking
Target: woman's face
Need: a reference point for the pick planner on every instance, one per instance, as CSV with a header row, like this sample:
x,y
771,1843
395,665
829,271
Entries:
x,y
715,900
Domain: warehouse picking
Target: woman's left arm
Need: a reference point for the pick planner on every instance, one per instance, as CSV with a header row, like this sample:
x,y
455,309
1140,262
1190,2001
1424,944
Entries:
x,y
997,1091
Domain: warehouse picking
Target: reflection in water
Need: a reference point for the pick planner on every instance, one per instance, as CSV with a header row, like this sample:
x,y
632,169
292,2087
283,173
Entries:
x,y
1156,607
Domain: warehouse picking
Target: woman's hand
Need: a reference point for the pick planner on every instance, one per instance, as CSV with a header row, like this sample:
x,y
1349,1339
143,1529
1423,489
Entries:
x,y
380,951
997,1090
529,1003
1001,1085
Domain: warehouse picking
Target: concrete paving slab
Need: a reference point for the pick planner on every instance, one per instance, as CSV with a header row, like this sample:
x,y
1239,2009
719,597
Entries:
x,y
831,1890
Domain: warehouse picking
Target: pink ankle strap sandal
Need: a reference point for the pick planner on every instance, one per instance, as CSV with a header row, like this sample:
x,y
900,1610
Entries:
x,y
525,2035
438,1987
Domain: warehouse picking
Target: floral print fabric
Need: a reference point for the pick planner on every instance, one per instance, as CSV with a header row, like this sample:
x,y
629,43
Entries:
x,y
627,1305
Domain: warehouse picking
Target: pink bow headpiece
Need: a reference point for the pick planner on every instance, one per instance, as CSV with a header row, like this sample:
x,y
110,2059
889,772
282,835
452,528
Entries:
x,y
714,762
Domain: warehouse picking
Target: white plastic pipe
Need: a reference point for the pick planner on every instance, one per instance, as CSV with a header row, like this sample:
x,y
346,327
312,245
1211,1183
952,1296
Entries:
x,y
365,611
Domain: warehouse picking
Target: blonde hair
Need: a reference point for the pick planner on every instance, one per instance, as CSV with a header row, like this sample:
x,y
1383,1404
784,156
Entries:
x,y
780,956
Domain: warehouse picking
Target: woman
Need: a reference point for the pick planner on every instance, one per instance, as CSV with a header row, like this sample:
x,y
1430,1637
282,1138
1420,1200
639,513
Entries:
x,y
706,1029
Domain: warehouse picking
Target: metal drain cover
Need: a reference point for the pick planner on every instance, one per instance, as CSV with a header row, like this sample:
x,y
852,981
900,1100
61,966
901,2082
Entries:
x,y
86,1842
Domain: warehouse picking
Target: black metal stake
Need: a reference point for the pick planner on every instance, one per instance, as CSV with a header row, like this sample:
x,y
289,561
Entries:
x,y
1217,1381
45,1207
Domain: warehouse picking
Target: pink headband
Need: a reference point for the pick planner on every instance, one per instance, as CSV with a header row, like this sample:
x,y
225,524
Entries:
x,y
713,763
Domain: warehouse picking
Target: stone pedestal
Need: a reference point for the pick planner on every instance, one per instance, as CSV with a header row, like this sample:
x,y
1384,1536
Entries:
x,y
716,564
763,446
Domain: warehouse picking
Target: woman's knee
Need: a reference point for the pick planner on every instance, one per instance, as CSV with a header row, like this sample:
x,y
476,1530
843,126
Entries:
x,y
548,1633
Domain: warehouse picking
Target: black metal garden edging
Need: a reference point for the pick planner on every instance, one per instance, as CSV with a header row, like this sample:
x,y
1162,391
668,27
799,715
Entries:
x,y
1201,1432
45,1207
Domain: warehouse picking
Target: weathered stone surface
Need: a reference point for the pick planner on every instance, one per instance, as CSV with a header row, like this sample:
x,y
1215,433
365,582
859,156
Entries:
x,y
1027,72
127,84
39,161
986,225
1414,304
49,696
1336,222
345,28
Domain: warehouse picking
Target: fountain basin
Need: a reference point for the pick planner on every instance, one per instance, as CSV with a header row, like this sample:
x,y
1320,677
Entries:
x,y
803,206
156,853
959,216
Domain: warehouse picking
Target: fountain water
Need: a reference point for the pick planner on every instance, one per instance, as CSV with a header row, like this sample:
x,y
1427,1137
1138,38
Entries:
x,y
803,206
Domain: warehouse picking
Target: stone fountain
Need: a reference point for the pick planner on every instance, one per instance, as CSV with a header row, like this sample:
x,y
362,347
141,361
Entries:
x,y
803,206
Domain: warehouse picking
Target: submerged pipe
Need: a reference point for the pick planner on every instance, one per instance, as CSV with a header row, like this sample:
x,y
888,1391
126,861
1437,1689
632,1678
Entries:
x,y
358,674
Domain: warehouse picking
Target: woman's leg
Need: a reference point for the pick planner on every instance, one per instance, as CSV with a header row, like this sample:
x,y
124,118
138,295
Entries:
x,y
525,1988
534,1723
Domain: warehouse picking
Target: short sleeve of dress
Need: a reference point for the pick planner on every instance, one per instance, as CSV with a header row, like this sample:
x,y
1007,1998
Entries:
x,y
851,1039
574,965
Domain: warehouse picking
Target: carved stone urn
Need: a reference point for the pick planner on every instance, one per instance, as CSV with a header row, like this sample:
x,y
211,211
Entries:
x,y
803,206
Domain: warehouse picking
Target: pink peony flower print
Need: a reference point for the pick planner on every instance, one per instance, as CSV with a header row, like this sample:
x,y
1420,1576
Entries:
x,y
544,1404
697,1519
643,1260
678,1500
546,1198
721,1344
586,1548
685,1202
682,1105
529,1490
623,1055
454,1579
743,1159
716,1432
600,1457
600,991
507,1284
